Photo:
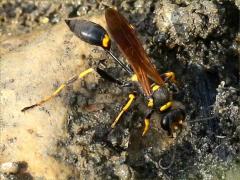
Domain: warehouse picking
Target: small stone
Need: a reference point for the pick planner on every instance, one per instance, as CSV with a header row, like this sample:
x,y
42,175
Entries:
x,y
9,167
82,10
54,18
43,20
123,172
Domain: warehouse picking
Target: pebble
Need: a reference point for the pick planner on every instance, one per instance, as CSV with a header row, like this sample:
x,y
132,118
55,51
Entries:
x,y
43,20
9,168
123,172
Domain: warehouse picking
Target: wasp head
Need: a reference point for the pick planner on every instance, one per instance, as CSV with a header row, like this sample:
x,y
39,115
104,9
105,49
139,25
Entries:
x,y
173,119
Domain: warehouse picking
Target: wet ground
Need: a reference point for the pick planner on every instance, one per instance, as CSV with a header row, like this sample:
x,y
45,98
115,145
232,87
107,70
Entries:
x,y
199,41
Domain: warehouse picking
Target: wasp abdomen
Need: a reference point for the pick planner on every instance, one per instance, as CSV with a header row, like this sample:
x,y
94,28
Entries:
x,y
90,32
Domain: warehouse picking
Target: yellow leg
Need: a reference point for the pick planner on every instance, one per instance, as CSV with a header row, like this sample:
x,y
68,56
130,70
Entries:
x,y
61,87
125,108
147,123
146,127
170,76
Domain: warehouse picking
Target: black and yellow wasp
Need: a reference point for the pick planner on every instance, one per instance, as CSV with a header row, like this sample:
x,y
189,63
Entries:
x,y
154,87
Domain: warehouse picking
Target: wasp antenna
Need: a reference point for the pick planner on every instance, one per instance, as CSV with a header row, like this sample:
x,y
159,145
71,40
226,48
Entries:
x,y
203,119
173,155
171,162
119,62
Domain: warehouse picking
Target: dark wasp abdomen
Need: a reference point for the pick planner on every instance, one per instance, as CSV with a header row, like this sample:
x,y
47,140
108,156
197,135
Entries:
x,y
87,31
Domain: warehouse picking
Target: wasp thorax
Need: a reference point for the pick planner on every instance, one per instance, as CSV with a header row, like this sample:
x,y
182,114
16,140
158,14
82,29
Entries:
x,y
161,97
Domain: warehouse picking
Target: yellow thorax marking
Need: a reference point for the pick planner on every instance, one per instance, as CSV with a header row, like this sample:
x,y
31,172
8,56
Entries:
x,y
155,88
105,41
134,78
150,102
166,106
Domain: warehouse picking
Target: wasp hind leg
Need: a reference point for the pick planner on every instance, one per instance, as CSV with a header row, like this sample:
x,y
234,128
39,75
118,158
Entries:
x,y
105,75
131,99
110,78
59,89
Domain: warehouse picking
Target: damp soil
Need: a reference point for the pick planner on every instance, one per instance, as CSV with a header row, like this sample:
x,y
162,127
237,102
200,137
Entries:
x,y
199,41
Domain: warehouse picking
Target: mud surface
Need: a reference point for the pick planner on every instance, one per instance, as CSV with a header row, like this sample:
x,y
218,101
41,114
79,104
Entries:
x,y
199,41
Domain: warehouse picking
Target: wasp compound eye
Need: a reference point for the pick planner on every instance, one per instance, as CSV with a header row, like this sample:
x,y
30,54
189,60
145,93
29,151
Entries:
x,y
90,32
173,121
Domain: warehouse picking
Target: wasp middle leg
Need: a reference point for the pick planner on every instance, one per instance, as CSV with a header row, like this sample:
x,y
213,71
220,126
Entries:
x,y
131,99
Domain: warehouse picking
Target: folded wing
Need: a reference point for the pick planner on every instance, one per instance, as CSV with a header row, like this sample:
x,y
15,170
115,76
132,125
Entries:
x,y
127,41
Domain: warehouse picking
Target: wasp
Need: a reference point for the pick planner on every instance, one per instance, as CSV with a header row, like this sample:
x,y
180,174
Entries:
x,y
153,85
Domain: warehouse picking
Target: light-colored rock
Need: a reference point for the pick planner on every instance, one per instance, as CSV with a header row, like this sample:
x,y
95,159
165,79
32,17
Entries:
x,y
9,167
31,66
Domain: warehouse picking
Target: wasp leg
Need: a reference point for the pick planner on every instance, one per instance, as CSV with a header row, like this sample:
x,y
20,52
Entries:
x,y
147,123
108,77
112,79
126,68
61,87
169,76
124,109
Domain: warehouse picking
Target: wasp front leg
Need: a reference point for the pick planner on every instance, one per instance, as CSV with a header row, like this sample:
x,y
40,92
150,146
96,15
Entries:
x,y
169,76
105,75
147,123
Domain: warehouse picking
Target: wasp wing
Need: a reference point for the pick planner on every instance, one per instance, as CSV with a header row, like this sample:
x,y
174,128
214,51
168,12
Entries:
x,y
127,41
